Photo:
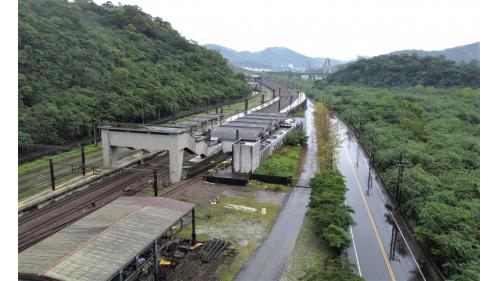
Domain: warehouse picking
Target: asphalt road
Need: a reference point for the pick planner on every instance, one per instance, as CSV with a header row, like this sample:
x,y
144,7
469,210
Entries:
x,y
370,250
270,259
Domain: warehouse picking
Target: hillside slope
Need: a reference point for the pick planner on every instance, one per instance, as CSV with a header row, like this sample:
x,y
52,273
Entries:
x,y
465,53
81,63
407,71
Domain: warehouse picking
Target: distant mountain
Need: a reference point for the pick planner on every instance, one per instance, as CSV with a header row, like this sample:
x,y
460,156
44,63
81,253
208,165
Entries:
x,y
464,53
270,58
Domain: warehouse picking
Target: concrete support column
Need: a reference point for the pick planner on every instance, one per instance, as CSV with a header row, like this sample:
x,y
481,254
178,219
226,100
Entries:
x,y
106,150
175,161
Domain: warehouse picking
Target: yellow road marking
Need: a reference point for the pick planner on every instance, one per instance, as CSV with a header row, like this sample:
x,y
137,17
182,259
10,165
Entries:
x,y
380,245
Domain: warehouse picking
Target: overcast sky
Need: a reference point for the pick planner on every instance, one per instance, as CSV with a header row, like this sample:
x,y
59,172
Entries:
x,y
335,29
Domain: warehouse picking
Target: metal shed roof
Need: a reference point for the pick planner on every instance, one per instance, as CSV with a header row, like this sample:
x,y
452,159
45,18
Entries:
x,y
277,118
278,115
143,128
228,133
271,122
236,123
100,244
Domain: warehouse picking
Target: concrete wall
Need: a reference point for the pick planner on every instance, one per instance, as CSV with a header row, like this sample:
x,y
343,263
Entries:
x,y
246,156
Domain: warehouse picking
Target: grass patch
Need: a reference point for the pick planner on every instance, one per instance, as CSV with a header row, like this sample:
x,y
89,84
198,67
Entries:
x,y
299,112
309,252
268,186
75,152
283,162
215,221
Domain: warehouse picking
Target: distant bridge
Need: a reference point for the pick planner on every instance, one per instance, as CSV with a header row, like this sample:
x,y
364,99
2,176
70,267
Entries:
x,y
319,73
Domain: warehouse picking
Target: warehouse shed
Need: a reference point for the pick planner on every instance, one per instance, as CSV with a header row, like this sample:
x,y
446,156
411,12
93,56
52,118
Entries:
x,y
119,241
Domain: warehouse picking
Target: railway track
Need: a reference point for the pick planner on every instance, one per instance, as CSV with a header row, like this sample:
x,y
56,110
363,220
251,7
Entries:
x,y
39,224
176,188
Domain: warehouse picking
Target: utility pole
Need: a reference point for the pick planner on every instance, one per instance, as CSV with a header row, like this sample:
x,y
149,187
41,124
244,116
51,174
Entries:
x,y
159,114
401,165
394,234
370,163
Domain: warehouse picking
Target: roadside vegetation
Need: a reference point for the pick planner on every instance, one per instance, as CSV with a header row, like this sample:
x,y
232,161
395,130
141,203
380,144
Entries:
x,y
331,218
325,138
437,128
81,63
285,161
317,254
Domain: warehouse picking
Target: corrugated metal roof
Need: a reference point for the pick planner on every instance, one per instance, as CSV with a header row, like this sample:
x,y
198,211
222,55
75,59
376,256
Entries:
x,y
228,133
98,245
143,128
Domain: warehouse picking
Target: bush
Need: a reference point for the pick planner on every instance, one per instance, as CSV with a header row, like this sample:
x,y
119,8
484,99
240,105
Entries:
x,y
296,137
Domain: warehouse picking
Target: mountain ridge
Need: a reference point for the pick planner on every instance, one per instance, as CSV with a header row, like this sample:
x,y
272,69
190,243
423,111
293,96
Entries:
x,y
464,53
270,58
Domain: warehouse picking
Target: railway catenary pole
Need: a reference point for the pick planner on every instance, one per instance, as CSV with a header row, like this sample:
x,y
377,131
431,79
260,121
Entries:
x,y
52,177
95,134
155,182
173,114
142,112
82,149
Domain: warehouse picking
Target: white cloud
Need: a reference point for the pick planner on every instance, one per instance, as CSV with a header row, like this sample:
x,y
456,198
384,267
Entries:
x,y
335,29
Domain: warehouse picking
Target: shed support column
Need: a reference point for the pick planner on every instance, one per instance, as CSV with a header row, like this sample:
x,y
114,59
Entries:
x,y
175,161
109,152
156,261
193,228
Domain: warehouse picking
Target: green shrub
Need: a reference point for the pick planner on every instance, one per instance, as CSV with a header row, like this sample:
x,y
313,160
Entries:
x,y
296,137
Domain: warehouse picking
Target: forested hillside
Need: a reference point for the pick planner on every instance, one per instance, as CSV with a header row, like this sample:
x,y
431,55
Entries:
x,y
465,53
438,130
81,63
408,71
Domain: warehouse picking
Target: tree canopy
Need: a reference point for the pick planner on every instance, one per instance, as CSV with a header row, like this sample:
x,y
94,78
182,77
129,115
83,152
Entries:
x,y
408,71
81,63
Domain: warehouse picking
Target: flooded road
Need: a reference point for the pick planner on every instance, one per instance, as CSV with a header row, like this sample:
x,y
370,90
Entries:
x,y
375,229
269,261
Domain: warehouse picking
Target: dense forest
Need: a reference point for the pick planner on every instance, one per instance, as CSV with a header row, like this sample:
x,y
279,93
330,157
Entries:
x,y
407,71
81,63
438,130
